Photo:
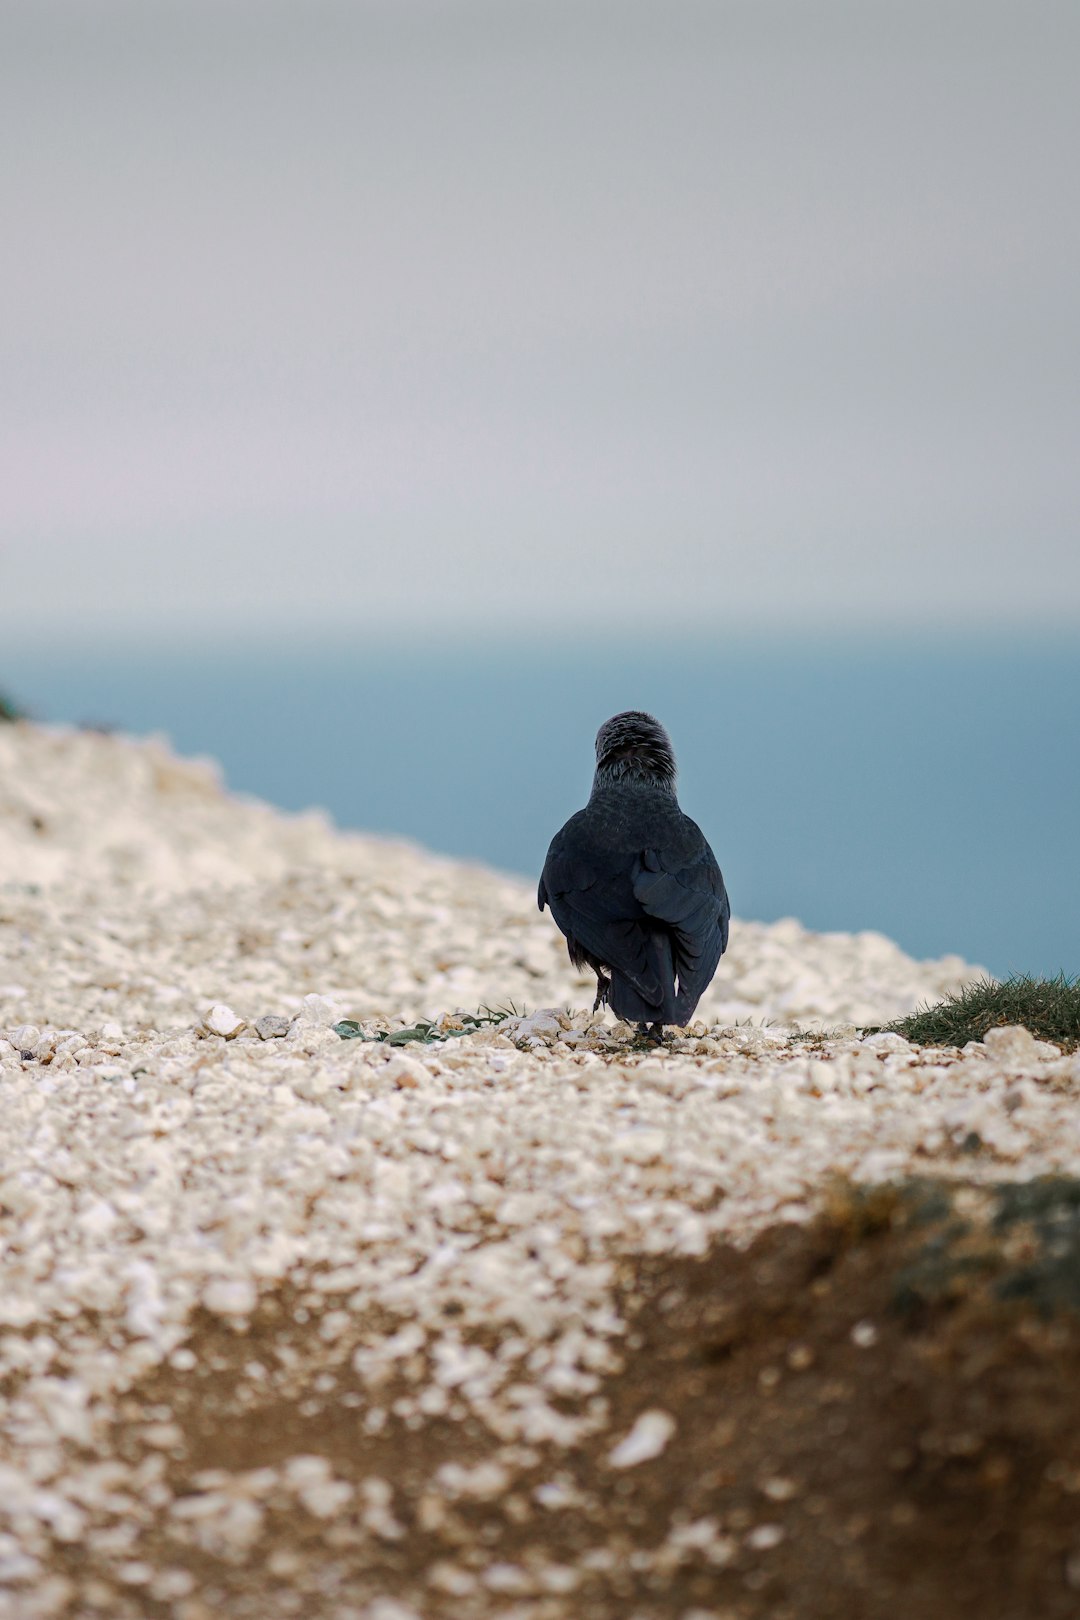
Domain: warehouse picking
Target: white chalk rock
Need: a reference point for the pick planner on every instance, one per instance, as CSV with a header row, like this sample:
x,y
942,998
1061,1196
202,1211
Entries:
x,y
221,1020
647,1439
1012,1043
542,1025
325,1498
886,1040
385,1608
319,1010
230,1296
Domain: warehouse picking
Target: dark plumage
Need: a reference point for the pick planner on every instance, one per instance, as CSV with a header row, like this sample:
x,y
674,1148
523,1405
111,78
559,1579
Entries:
x,y
633,885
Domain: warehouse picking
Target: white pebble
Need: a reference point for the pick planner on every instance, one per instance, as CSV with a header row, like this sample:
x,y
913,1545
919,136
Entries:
x,y
763,1537
1013,1044
648,1437
885,1040
221,1020
230,1296
319,1010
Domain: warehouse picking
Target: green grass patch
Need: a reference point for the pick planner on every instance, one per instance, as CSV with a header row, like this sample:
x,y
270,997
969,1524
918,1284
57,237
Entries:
x,y
1049,1008
428,1033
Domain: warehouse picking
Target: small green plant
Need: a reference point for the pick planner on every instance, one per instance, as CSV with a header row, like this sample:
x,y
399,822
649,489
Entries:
x,y
814,1038
9,710
428,1033
1049,1008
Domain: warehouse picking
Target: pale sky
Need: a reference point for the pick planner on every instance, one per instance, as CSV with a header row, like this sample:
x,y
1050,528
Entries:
x,y
334,316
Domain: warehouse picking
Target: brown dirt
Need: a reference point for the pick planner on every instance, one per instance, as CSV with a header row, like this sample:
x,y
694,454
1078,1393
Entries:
x,y
894,1390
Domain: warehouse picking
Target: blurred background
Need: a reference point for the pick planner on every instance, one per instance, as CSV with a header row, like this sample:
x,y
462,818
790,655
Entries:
x,y
392,390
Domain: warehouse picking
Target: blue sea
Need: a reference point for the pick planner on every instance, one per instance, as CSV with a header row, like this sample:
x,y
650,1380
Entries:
x,y
927,788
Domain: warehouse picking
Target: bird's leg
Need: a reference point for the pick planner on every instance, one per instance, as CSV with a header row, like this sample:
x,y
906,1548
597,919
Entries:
x,y
602,987
652,1032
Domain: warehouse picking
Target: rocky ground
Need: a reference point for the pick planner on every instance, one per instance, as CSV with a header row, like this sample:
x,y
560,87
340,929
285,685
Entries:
x,y
529,1321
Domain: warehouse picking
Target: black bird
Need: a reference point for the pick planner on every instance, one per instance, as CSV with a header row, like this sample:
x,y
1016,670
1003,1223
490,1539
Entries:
x,y
633,884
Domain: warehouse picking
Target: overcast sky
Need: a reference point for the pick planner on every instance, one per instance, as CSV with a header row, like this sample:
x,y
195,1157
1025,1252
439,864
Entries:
x,y
335,315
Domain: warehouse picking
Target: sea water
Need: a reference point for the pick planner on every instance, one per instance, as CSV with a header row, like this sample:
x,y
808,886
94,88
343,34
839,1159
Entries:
x,y
926,788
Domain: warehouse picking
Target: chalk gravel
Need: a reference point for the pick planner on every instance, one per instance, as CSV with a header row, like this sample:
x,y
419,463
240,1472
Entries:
x,y
158,1155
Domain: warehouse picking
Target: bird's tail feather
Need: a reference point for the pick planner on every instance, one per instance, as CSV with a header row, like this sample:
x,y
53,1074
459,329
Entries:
x,y
627,1001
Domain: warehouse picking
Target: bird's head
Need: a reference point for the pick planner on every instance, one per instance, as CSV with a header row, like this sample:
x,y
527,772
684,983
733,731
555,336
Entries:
x,y
633,747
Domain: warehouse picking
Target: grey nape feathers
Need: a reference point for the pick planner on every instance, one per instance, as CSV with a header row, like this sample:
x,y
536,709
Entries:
x,y
633,884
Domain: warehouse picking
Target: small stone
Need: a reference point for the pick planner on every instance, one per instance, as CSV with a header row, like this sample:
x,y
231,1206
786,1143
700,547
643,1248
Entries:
x,y
221,1020
284,1562
272,1026
482,1483
385,1608
886,1040
763,1537
559,1578
163,1436
1012,1043
319,1010
647,1439
307,1469
864,1335
230,1296
326,1497
451,1578
111,1032
509,1578
172,1583
538,1026
135,1573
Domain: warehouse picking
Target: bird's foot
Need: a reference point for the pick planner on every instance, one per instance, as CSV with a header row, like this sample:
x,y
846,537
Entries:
x,y
653,1033
602,988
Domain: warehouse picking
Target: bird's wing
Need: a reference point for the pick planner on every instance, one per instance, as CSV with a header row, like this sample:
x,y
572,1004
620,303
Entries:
x,y
592,899
686,891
